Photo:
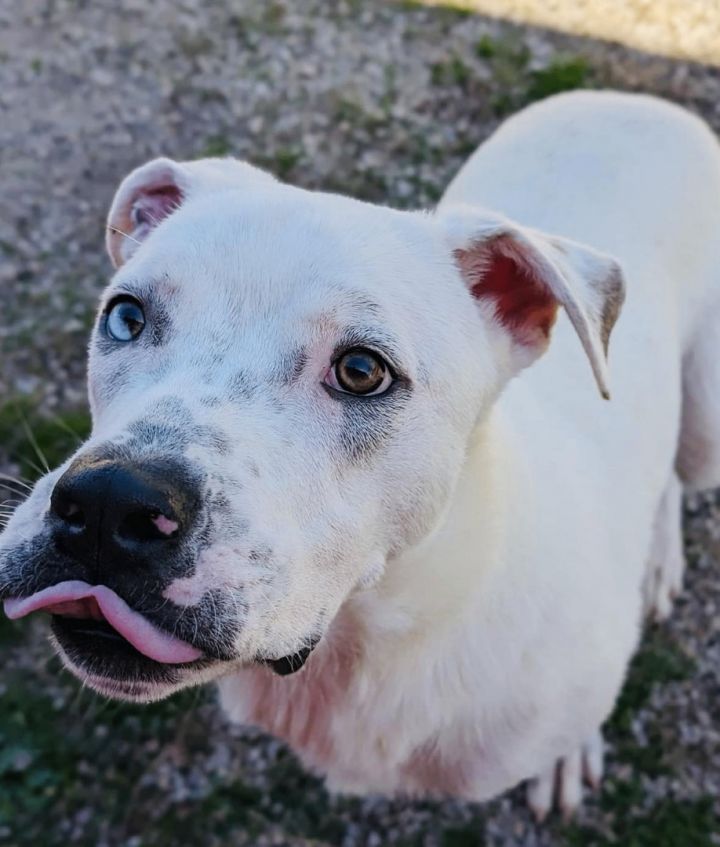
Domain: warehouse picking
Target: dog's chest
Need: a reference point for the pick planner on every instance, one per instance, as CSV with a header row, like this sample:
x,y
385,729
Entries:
x,y
301,709
341,725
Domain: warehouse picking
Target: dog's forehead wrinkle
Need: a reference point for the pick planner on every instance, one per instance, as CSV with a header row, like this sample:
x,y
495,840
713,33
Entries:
x,y
356,300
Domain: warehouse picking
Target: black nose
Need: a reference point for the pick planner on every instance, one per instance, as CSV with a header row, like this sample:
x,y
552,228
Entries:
x,y
119,514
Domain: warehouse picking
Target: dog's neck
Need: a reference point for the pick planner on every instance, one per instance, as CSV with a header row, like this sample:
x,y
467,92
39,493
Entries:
x,y
428,585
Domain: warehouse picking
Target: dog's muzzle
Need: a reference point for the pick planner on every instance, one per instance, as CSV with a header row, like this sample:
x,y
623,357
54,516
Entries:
x,y
117,534
114,538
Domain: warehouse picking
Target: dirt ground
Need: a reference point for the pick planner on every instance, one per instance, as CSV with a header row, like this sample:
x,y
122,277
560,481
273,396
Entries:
x,y
380,100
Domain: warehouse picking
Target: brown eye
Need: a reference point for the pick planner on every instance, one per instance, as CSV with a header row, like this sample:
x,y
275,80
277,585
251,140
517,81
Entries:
x,y
360,371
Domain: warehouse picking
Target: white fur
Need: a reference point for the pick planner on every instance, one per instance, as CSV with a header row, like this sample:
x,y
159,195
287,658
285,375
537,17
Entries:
x,y
521,613
479,579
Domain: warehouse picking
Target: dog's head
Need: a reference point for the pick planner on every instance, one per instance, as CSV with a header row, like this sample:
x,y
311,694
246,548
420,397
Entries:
x,y
283,385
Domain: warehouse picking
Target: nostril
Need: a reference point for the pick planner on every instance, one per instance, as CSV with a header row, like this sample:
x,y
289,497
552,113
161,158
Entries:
x,y
165,525
144,525
69,511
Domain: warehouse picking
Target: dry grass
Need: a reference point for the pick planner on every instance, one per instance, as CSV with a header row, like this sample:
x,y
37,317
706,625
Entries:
x,y
684,29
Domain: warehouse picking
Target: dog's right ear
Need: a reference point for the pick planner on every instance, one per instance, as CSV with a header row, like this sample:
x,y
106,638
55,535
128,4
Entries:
x,y
152,192
145,197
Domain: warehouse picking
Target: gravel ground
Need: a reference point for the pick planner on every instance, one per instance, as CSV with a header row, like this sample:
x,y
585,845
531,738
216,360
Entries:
x,y
380,100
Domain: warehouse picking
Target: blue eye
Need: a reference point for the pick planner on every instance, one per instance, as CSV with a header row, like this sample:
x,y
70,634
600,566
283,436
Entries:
x,y
125,319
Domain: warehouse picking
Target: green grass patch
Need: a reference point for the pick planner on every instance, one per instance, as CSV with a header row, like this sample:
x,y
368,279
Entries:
x,y
216,145
516,85
11,632
34,440
672,823
282,162
449,9
486,47
452,72
562,74
470,835
67,751
658,660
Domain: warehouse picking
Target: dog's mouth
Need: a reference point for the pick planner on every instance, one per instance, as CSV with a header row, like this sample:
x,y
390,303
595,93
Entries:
x,y
97,612
104,639
286,665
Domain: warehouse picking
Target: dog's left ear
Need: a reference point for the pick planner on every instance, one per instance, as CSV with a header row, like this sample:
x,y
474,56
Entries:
x,y
521,277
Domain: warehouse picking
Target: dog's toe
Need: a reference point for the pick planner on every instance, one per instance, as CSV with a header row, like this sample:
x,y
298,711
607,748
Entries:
x,y
666,560
569,792
540,794
593,760
562,784
663,583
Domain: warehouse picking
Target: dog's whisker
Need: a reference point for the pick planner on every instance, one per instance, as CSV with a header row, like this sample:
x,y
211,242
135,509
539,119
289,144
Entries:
x,y
23,494
124,234
34,443
34,465
7,479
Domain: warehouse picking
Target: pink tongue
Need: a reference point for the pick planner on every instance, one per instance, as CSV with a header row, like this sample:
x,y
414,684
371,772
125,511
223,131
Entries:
x,y
79,599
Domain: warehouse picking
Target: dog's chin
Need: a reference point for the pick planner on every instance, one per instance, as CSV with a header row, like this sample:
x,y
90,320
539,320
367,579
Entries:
x,y
108,664
129,691
104,661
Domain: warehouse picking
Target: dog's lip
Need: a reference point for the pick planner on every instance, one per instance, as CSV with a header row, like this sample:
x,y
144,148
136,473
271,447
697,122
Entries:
x,y
75,598
292,663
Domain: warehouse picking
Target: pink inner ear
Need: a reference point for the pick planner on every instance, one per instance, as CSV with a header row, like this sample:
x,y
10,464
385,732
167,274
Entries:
x,y
499,272
152,206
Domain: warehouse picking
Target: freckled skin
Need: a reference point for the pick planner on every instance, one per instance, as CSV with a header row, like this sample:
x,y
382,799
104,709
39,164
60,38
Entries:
x,y
292,366
165,525
240,387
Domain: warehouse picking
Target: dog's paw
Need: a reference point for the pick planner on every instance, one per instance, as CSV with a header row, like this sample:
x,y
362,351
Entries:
x,y
663,583
561,785
666,562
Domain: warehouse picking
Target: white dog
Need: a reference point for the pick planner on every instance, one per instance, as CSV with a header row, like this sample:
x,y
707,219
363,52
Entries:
x,y
313,429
